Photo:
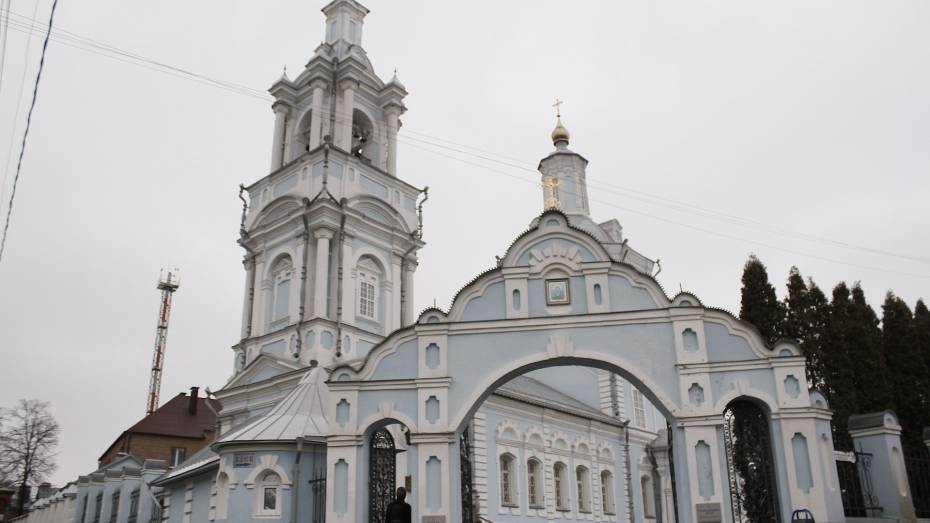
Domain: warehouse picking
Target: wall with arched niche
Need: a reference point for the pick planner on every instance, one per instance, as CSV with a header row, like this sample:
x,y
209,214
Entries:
x,y
688,360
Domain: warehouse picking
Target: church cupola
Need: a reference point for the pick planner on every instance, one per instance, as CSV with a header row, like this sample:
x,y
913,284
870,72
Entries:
x,y
344,19
563,174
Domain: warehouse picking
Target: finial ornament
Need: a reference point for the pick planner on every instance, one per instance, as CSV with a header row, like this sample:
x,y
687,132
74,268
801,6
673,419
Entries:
x,y
549,185
558,108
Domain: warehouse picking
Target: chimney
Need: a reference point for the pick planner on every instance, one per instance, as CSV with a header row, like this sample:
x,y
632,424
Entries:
x,y
192,403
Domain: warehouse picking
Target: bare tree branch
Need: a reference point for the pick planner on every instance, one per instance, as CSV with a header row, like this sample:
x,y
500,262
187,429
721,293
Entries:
x,y
28,438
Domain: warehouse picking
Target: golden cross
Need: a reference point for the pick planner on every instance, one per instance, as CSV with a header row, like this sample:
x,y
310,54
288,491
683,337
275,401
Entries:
x,y
549,185
558,110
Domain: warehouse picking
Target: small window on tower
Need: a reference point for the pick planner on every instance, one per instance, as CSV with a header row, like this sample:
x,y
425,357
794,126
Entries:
x,y
369,280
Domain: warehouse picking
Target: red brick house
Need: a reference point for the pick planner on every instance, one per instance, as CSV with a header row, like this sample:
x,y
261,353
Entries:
x,y
178,429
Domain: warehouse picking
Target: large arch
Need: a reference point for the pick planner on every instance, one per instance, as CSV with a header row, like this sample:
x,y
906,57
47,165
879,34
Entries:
x,y
690,361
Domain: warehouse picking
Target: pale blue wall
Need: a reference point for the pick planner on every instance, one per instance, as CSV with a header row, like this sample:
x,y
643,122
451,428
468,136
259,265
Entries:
x,y
401,364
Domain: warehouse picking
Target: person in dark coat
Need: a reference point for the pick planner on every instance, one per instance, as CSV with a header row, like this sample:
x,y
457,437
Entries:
x,y
398,511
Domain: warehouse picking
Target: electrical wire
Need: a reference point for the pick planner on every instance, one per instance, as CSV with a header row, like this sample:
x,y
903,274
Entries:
x,y
675,222
22,150
15,120
4,31
71,39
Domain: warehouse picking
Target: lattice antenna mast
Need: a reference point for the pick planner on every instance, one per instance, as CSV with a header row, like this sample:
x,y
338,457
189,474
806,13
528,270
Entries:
x,y
168,282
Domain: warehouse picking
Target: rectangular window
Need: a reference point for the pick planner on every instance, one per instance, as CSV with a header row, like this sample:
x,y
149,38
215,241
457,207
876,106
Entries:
x,y
177,455
352,31
97,507
133,506
639,409
244,459
366,301
156,514
271,498
282,299
114,506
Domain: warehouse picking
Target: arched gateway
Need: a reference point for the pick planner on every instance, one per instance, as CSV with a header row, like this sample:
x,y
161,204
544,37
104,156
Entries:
x,y
691,361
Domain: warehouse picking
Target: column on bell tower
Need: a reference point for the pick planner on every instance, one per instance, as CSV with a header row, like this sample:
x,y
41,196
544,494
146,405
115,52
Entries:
x,y
318,107
345,108
281,112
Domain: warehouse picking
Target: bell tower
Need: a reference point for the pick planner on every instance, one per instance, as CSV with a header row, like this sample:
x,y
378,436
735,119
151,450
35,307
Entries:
x,y
331,233
563,174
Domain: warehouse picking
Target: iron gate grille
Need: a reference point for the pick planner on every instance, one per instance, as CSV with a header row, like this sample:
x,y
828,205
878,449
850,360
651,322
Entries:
x,y
381,475
468,487
917,463
749,464
318,499
855,475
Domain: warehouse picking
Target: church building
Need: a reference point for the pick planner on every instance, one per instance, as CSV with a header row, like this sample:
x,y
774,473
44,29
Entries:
x,y
562,384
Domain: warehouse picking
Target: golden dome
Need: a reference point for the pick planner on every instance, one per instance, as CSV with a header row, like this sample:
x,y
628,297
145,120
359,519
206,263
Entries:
x,y
560,133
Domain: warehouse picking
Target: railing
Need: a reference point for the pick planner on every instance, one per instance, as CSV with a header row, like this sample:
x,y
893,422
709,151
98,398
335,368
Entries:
x,y
917,463
854,470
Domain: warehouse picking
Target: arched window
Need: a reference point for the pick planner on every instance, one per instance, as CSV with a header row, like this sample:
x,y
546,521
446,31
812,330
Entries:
x,y
560,476
534,483
583,480
363,136
222,495
649,497
303,134
269,495
369,288
281,275
607,492
508,480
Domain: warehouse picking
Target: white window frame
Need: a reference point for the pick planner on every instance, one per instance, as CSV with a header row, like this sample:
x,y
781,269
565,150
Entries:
x,y
283,273
508,479
608,505
268,482
639,409
368,274
535,483
560,486
583,482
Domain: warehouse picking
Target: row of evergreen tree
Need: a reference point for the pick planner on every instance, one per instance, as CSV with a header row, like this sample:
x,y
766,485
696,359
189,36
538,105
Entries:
x,y
860,363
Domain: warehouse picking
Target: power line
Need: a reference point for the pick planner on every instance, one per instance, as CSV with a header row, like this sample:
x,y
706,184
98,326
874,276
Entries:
x,y
75,40
32,106
677,223
15,120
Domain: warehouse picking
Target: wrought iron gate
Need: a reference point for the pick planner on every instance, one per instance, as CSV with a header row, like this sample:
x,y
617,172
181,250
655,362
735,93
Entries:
x,y
917,463
382,460
854,470
753,496
318,497
469,512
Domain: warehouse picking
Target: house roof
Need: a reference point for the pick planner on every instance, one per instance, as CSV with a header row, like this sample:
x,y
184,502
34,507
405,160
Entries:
x,y
174,419
524,388
201,460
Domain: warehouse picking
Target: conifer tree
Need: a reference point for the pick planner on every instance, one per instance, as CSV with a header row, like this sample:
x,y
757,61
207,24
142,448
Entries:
x,y
839,380
864,340
922,331
908,372
758,304
797,324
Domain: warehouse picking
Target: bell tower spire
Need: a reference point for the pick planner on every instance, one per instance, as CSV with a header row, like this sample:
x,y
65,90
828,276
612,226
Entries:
x,y
563,173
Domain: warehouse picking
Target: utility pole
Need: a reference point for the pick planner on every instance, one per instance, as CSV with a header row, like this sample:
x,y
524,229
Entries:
x,y
168,282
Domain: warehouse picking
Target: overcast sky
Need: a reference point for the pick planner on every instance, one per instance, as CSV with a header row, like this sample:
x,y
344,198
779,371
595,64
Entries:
x,y
714,130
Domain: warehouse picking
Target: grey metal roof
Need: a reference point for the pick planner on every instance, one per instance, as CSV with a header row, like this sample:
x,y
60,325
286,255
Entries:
x,y
524,388
301,413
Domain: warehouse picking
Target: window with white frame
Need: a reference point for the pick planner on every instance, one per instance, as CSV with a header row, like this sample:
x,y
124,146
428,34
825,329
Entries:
x,y
583,479
369,281
508,481
97,507
607,492
114,506
269,495
281,275
534,483
639,409
560,477
133,506
649,497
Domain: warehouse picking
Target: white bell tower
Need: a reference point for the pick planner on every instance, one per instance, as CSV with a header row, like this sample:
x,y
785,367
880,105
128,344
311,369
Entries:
x,y
331,234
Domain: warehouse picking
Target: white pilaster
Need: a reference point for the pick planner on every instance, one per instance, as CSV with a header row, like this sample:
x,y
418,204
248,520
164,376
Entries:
x,y
348,282
408,272
277,144
246,299
344,112
317,117
392,114
321,281
258,302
